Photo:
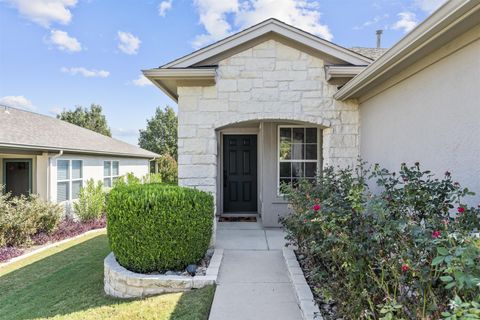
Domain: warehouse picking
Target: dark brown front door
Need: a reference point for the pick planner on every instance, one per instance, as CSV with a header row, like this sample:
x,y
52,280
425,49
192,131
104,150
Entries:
x,y
239,173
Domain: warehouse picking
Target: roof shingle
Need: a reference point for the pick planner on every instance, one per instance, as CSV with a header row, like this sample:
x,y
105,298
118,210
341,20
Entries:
x,y
19,128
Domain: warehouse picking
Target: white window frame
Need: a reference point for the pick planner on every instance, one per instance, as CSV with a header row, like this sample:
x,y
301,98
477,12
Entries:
x,y
318,161
70,180
111,176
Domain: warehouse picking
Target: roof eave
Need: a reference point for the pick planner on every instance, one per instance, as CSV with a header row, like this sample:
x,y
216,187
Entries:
x,y
332,72
167,78
444,19
14,146
267,26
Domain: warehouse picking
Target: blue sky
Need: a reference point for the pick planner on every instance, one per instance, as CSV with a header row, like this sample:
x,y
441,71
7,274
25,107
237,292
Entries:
x,y
57,54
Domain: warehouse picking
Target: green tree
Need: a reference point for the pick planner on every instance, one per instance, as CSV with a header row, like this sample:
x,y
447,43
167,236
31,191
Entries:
x,y
89,118
160,136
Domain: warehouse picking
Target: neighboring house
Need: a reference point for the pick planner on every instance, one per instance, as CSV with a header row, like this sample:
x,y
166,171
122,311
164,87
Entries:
x,y
263,107
53,158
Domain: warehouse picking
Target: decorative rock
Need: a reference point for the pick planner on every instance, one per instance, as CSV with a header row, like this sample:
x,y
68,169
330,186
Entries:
x,y
192,269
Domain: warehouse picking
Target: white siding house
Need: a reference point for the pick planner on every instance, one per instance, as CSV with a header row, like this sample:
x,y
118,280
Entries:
x,y
52,158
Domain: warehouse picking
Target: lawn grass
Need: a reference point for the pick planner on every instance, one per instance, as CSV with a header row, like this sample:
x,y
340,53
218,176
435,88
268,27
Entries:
x,y
66,282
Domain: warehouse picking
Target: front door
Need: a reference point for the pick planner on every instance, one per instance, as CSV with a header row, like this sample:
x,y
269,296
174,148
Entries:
x,y
18,177
239,173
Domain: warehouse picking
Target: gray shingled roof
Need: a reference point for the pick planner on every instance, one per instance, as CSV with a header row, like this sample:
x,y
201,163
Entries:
x,y
24,129
372,53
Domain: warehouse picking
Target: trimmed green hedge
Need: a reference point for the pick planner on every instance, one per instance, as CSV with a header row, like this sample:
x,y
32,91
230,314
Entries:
x,y
157,227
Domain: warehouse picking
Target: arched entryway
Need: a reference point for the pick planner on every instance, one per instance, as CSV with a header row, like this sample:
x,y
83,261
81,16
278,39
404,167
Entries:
x,y
256,156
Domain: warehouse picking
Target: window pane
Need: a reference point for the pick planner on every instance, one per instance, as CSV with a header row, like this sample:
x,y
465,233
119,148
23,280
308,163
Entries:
x,y
76,185
285,135
63,170
115,168
297,151
63,191
310,169
285,151
311,135
107,182
311,152
298,135
107,170
285,169
77,170
297,169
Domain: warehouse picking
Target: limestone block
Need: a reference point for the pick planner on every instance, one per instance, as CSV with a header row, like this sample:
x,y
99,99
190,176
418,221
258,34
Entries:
x,y
209,92
260,64
287,53
304,85
227,85
244,84
188,103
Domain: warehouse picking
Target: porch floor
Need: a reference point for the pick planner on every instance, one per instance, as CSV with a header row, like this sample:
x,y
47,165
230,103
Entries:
x,y
253,281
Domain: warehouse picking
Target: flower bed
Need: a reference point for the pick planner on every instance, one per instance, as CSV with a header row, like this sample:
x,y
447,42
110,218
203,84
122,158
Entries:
x,y
67,228
407,251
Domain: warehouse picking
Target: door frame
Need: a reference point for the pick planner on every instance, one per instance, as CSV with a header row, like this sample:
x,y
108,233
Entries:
x,y
30,171
238,131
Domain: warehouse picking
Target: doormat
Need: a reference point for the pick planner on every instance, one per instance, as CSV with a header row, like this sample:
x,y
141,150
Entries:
x,y
238,219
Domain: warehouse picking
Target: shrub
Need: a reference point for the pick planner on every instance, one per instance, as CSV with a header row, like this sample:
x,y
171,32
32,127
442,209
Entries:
x,y
155,227
167,168
22,217
127,179
91,201
404,252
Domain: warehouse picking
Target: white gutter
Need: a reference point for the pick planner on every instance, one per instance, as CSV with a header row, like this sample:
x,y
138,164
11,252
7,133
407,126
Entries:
x,y
49,180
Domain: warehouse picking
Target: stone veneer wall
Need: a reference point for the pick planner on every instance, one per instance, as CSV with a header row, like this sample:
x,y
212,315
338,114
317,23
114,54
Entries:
x,y
271,81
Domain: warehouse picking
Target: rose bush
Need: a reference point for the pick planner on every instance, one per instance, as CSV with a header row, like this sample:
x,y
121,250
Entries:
x,y
406,251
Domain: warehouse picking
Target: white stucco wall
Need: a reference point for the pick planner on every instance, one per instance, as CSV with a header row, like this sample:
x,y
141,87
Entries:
x,y
432,117
272,81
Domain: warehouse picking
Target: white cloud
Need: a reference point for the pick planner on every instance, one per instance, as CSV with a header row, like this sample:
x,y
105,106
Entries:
x,y
429,5
64,42
216,16
128,44
17,102
373,22
213,17
142,81
163,7
45,12
299,13
88,73
407,21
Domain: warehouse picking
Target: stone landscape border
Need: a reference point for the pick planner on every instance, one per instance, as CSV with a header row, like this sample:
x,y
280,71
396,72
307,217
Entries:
x,y
303,293
122,283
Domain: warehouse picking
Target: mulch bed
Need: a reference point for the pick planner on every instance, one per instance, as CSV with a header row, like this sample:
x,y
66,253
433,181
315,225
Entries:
x,y
327,307
67,228
238,219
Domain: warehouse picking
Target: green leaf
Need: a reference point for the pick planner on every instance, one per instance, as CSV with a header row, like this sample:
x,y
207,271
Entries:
x,y
442,251
450,285
446,278
437,260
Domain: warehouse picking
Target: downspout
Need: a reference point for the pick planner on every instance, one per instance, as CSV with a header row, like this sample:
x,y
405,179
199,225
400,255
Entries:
x,y
49,180
156,165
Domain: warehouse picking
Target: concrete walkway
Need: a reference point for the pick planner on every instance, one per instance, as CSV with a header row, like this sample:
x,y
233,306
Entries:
x,y
253,281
